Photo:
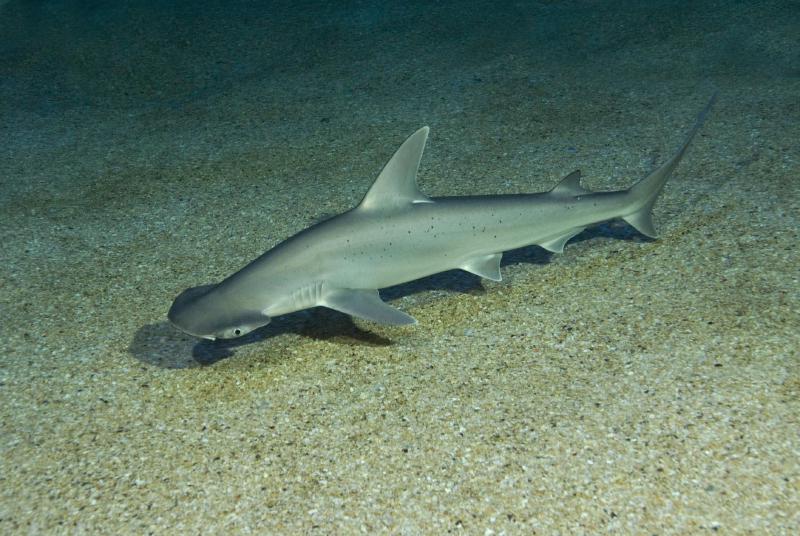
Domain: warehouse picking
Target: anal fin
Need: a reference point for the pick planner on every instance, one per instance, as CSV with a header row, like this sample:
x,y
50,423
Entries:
x,y
486,266
366,304
556,245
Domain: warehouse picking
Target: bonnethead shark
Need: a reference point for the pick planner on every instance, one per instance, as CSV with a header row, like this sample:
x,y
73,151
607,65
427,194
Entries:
x,y
397,234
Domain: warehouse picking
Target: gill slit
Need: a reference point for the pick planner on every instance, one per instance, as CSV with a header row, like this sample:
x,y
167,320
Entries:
x,y
308,295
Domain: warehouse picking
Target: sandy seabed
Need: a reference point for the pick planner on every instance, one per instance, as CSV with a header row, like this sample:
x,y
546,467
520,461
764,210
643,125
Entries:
x,y
625,386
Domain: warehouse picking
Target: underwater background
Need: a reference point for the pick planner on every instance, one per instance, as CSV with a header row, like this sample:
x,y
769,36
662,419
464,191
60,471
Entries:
x,y
626,386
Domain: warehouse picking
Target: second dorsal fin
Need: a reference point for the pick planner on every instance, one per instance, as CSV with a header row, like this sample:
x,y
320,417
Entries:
x,y
570,185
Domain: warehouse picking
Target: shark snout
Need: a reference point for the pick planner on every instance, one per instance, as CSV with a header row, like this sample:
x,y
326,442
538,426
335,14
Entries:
x,y
204,313
186,312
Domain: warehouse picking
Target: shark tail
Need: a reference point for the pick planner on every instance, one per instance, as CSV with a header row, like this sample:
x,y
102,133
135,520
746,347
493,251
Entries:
x,y
645,192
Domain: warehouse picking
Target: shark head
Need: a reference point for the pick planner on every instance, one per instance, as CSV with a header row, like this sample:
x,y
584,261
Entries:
x,y
210,313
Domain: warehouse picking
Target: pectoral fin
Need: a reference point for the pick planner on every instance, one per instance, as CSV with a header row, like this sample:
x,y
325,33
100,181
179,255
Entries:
x,y
365,304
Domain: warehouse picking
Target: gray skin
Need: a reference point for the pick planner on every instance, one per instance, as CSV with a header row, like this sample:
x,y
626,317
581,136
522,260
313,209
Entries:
x,y
398,234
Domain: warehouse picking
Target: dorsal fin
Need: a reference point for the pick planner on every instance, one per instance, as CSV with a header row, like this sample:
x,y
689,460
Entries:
x,y
397,183
570,185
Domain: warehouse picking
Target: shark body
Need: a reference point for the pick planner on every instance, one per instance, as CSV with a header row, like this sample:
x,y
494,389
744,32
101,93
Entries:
x,y
397,234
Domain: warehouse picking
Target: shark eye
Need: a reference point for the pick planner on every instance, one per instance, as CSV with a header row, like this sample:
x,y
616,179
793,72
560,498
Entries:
x,y
232,333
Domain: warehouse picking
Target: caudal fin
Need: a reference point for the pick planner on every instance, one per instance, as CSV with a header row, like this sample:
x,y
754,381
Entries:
x,y
645,192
